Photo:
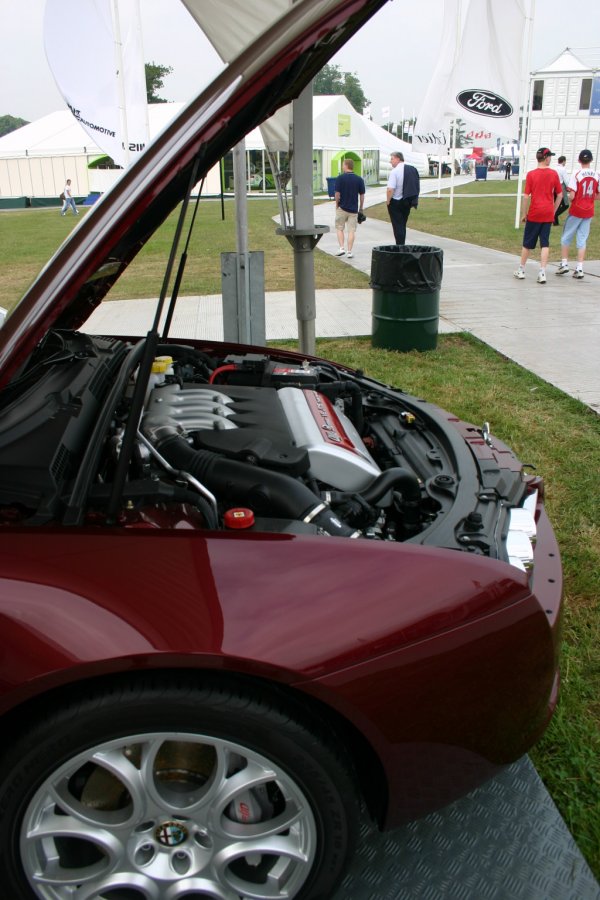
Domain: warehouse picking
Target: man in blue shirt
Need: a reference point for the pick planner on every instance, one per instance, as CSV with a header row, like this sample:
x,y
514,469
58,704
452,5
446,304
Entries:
x,y
403,190
349,199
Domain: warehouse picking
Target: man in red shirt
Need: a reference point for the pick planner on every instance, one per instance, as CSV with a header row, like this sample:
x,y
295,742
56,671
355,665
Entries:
x,y
543,194
584,189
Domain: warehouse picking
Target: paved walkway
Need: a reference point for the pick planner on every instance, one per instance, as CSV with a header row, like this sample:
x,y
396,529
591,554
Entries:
x,y
553,329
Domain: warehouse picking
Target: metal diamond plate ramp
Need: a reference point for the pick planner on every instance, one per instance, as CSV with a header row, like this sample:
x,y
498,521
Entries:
x,y
504,841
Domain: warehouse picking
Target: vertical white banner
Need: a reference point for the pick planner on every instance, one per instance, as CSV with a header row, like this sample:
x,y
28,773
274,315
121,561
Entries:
x,y
103,82
485,85
432,128
478,74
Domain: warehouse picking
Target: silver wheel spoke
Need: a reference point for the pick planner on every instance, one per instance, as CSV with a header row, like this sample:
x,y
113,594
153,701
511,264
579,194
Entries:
x,y
138,782
145,887
202,886
167,815
253,775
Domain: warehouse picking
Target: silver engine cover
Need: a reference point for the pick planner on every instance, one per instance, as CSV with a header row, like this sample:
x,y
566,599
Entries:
x,y
337,455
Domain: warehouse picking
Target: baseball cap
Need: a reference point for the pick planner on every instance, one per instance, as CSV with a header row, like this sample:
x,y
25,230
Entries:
x,y
543,153
585,156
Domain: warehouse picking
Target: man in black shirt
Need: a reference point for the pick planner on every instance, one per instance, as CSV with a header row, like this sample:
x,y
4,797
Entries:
x,y
349,199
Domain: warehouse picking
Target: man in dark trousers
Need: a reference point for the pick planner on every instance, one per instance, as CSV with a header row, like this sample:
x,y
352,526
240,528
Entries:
x,y
349,199
403,189
507,170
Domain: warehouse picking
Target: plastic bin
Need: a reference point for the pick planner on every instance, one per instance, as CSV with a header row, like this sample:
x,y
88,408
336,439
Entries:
x,y
331,187
481,173
406,283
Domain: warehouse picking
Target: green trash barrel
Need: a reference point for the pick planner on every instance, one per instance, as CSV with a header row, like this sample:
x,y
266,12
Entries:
x,y
406,283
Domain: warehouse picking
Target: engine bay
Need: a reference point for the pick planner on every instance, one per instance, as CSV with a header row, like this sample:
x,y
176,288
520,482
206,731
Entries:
x,y
238,441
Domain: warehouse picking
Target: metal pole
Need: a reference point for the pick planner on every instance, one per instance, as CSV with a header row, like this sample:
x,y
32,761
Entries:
x,y
452,158
302,192
241,231
524,136
523,141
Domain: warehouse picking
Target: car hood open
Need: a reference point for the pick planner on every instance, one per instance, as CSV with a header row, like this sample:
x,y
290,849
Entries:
x,y
268,74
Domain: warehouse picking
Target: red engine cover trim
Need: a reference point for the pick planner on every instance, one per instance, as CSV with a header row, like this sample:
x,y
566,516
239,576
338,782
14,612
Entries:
x,y
330,427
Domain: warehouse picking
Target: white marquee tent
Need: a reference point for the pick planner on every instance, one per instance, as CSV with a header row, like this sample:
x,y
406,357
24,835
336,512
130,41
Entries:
x,y
35,160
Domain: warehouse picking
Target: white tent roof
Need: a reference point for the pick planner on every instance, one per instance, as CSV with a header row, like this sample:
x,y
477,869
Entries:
x,y
59,134
326,110
386,142
572,61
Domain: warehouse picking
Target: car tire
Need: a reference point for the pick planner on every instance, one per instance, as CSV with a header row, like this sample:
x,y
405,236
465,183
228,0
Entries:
x,y
170,789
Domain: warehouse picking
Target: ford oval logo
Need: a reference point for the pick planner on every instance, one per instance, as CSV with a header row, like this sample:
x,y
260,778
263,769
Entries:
x,y
484,103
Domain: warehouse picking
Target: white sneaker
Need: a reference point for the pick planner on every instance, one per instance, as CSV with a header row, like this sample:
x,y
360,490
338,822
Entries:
x,y
541,279
578,273
562,269
349,254
341,252
519,274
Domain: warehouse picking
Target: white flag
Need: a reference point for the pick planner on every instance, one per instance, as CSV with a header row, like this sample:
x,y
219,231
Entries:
x,y
478,77
101,78
485,88
432,128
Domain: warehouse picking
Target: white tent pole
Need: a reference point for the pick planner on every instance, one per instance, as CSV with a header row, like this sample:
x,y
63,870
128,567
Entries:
x,y
453,123
138,26
452,158
525,121
120,79
587,130
523,143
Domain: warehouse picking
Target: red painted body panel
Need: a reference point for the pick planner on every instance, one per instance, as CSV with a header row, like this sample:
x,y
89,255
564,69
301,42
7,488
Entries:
x,y
275,606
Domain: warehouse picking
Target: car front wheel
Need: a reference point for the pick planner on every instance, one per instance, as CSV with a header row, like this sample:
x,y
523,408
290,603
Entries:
x,y
149,791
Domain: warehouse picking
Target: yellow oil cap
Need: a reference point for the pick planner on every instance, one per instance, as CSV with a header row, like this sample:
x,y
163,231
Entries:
x,y
161,364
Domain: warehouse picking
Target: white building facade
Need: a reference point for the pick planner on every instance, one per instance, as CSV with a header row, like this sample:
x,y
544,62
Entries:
x,y
565,107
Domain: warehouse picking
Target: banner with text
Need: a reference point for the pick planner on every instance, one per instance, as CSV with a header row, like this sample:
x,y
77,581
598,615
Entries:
x,y
478,74
98,65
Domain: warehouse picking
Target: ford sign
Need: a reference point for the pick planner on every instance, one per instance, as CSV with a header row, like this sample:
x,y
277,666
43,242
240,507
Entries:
x,y
484,103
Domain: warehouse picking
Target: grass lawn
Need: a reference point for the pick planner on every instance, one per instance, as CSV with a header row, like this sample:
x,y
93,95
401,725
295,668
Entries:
x,y
30,237
559,435
487,221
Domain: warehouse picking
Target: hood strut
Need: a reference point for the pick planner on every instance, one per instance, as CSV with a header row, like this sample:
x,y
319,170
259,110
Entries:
x,y
181,268
150,344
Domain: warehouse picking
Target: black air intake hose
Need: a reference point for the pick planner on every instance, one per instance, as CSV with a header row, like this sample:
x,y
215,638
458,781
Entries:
x,y
267,493
408,484
402,478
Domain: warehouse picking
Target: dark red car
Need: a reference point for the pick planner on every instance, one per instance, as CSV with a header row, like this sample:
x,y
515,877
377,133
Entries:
x,y
242,591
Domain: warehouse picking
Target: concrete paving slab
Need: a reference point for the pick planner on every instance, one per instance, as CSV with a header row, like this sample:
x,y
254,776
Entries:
x,y
552,329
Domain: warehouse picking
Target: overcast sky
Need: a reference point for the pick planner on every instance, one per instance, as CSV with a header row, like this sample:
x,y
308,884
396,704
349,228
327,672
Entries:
x,y
393,55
